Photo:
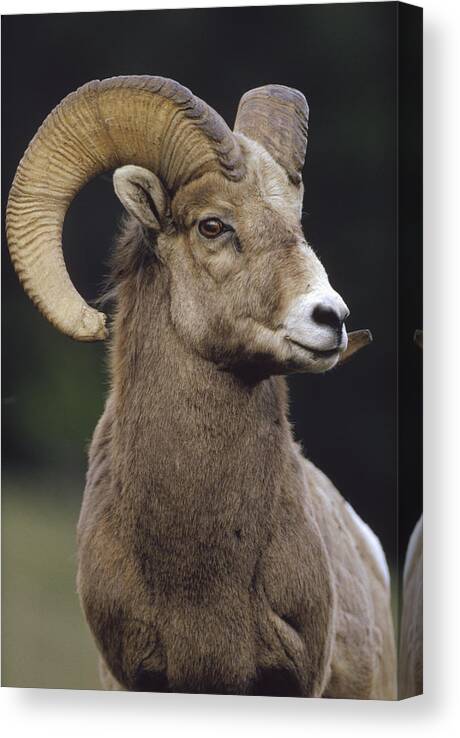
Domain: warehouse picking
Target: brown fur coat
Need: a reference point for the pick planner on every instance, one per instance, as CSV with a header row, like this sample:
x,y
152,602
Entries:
x,y
212,556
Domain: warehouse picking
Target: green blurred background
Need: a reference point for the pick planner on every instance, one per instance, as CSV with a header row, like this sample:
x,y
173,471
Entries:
x,y
47,425
343,58
45,642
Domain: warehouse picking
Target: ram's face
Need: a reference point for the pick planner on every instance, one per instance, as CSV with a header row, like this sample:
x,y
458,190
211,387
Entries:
x,y
245,287
221,207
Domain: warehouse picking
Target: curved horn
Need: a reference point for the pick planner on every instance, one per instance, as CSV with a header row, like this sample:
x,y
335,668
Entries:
x,y
276,117
148,121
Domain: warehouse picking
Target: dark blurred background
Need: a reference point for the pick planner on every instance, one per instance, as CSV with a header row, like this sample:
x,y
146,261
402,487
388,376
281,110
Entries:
x,y
343,57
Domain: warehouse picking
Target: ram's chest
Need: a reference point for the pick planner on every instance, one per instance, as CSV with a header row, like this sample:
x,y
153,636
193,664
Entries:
x,y
263,596
228,575
199,522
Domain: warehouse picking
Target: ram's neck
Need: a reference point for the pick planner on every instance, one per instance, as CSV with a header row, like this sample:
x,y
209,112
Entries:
x,y
182,427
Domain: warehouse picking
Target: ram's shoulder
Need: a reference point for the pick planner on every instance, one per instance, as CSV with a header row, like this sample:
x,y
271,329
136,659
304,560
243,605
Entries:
x,y
365,539
370,545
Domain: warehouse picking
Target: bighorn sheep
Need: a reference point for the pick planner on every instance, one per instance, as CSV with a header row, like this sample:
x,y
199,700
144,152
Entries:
x,y
212,556
411,635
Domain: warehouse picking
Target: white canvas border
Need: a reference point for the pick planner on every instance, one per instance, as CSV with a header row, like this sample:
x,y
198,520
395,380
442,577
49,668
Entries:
x,y
54,712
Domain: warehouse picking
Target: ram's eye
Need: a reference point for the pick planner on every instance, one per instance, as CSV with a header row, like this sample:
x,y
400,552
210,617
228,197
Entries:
x,y
211,227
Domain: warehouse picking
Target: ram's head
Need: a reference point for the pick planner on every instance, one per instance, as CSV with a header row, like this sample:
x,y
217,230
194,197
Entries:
x,y
220,210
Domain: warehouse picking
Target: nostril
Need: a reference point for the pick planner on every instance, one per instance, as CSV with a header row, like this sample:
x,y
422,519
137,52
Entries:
x,y
326,315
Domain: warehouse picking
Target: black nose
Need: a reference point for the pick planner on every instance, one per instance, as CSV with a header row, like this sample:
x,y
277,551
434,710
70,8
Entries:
x,y
326,315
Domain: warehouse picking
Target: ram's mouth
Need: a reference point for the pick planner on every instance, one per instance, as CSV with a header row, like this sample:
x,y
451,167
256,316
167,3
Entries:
x,y
323,354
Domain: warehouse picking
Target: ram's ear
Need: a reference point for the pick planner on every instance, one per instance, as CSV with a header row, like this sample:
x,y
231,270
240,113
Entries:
x,y
356,341
142,194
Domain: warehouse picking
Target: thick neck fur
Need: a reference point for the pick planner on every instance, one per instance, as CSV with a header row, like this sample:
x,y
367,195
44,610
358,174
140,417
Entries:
x,y
200,448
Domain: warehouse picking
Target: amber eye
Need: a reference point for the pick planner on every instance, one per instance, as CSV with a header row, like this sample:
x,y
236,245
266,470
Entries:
x,y
211,227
